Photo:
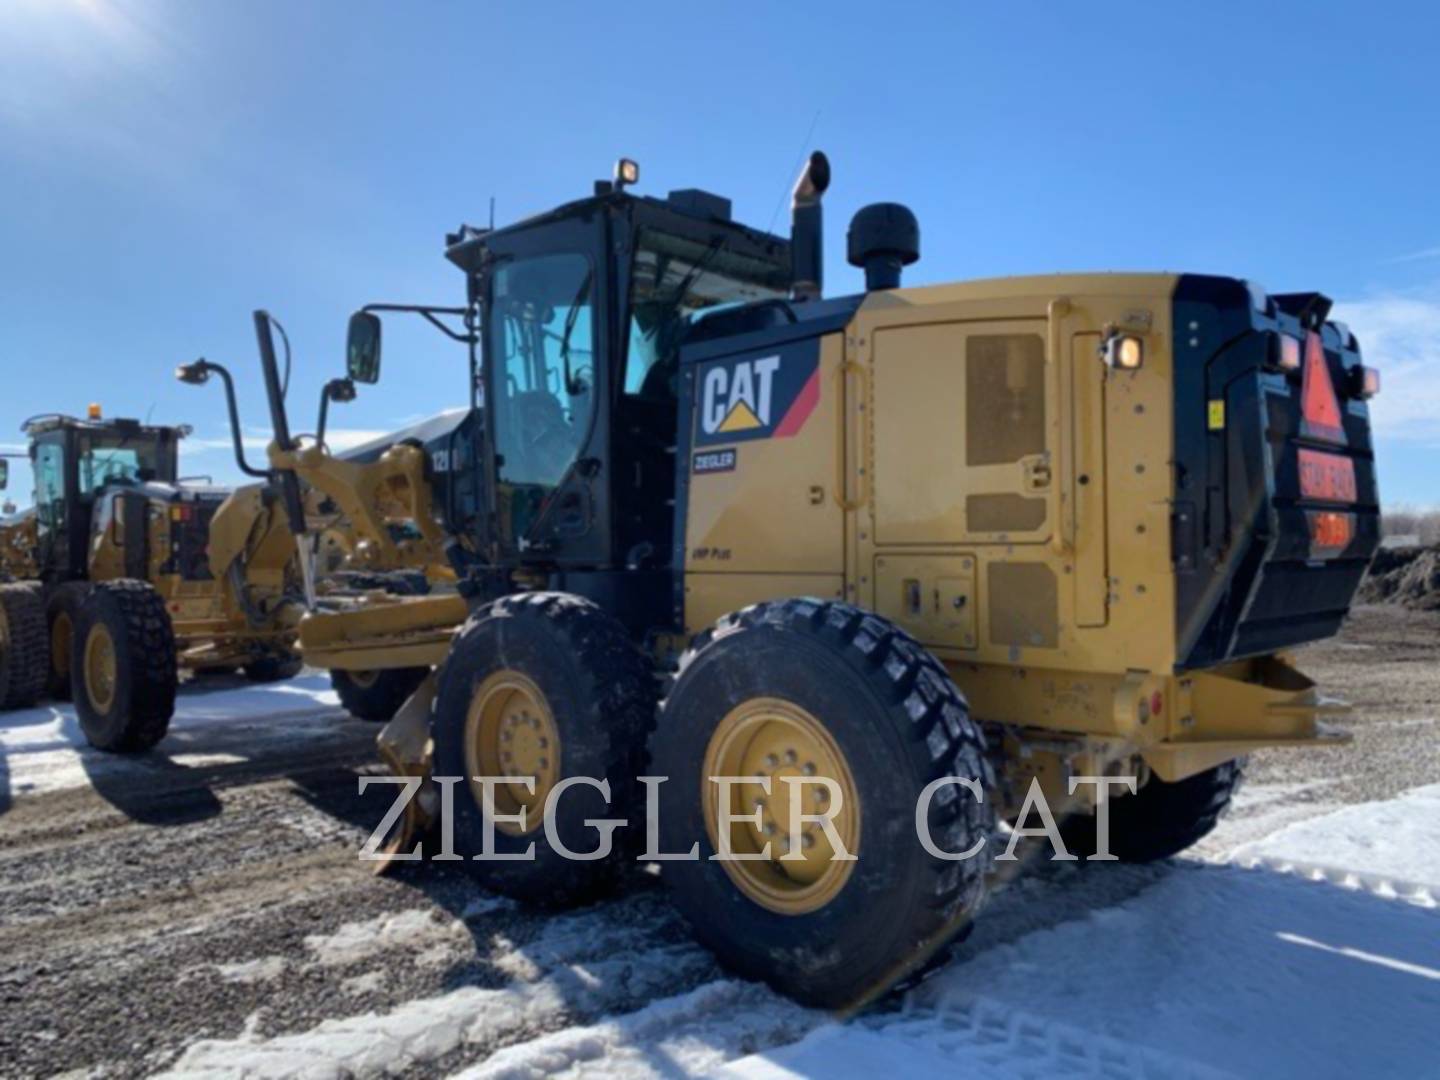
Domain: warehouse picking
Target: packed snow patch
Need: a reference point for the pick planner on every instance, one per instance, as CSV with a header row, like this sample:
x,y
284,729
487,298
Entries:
x,y
1390,847
357,941
252,971
43,749
600,966
1244,971
691,1034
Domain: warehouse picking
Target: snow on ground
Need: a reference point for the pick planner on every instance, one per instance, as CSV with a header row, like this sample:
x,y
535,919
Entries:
x,y
1301,939
356,941
1393,845
1217,969
43,749
606,965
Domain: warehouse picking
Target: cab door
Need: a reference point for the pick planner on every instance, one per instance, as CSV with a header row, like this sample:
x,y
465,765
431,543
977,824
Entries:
x,y
547,343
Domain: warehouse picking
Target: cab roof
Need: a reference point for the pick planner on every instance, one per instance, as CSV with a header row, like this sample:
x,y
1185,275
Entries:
x,y
689,206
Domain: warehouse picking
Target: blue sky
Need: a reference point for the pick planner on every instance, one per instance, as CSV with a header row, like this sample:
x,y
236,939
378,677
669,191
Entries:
x,y
167,166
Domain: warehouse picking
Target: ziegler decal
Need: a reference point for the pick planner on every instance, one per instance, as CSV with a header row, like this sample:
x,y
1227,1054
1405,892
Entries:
x,y
715,461
758,397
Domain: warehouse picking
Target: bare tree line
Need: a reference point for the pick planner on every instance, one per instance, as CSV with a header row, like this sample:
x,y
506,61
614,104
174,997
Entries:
x,y
1404,521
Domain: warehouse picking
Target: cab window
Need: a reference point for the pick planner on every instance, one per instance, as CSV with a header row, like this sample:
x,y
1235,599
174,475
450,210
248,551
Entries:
x,y
50,484
542,359
673,278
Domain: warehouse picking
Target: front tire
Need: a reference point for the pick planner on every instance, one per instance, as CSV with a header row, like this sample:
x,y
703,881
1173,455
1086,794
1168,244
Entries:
x,y
123,668
376,696
544,685
24,654
749,697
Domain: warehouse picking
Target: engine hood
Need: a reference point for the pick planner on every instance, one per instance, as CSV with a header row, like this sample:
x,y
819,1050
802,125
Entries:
x,y
427,433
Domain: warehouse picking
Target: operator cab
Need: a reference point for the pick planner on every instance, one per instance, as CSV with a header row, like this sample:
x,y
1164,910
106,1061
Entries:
x,y
74,462
583,310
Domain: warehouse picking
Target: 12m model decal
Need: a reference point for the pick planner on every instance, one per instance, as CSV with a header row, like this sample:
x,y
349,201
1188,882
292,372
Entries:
x,y
758,397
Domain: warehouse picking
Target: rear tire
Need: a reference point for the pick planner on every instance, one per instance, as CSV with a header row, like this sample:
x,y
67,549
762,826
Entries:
x,y
123,669
376,696
273,668
545,684
1160,820
24,650
60,612
893,721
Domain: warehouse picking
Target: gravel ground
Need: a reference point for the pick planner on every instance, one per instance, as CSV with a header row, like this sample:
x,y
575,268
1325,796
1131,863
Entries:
x,y
171,904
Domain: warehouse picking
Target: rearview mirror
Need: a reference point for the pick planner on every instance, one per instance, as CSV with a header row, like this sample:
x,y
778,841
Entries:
x,y
362,348
4,474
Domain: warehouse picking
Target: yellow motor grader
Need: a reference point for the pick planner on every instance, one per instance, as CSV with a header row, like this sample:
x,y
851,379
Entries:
x,y
130,575
898,562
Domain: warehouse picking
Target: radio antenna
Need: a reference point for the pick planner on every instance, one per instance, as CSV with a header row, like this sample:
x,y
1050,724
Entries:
x,y
790,176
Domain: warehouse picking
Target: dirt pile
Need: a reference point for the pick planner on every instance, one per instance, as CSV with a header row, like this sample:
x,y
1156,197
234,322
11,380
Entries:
x,y
1406,576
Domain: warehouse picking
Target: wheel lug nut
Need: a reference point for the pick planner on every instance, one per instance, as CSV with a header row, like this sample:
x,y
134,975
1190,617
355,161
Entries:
x,y
807,841
809,768
769,828
771,761
791,757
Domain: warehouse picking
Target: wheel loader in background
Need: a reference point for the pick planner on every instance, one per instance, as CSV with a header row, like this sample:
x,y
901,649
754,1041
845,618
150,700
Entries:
x,y
1015,532
126,575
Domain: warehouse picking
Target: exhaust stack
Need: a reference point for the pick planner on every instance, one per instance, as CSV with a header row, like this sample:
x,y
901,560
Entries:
x,y
807,229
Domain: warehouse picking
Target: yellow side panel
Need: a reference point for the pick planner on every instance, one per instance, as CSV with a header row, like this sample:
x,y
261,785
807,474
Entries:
x,y
709,596
931,596
989,428
959,438
774,507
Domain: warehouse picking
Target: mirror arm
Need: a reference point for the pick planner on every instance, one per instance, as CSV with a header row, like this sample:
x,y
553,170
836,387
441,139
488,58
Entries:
x,y
430,314
338,390
196,374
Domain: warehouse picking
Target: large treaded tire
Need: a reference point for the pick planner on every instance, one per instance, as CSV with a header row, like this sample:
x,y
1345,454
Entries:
x,y
24,646
376,696
62,608
900,723
602,695
146,675
1160,820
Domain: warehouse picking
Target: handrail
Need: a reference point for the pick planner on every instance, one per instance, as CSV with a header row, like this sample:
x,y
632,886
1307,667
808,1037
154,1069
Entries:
x,y
842,486
1062,533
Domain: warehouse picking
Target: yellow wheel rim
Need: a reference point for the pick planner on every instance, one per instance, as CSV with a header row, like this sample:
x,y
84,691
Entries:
x,y
100,669
363,679
62,631
510,731
769,737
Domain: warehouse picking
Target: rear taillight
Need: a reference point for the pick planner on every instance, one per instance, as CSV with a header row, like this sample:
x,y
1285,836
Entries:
x,y
1330,531
1364,382
1285,353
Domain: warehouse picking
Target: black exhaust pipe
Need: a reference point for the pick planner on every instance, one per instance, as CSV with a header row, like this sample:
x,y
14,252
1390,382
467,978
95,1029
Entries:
x,y
807,229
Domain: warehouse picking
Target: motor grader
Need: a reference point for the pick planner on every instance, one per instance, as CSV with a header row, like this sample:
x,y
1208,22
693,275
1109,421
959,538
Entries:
x,y
130,575
1012,533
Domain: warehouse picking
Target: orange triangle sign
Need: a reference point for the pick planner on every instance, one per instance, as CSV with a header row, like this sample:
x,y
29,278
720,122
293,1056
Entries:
x,y
1318,403
741,418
